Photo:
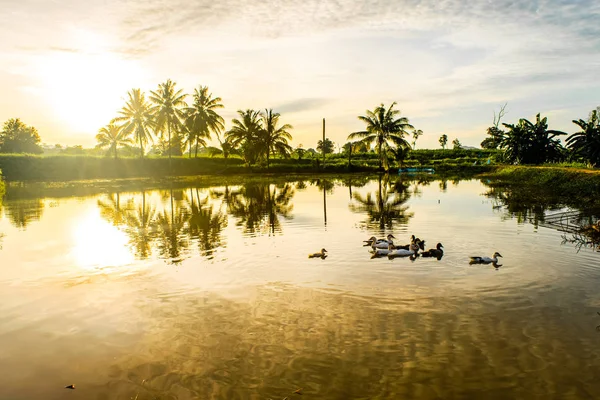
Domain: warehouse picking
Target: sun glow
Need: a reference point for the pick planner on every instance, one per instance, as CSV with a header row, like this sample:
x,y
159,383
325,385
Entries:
x,y
98,244
85,85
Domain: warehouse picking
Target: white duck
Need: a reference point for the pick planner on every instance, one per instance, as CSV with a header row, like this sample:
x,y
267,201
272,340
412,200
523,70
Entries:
x,y
485,260
402,253
385,241
380,243
379,252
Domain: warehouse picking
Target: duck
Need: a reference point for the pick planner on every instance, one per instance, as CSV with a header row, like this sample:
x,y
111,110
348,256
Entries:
x,y
381,243
320,254
414,242
374,239
485,260
379,252
437,252
403,253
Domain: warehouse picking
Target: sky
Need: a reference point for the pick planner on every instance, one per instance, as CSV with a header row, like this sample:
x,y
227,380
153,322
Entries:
x,y
67,65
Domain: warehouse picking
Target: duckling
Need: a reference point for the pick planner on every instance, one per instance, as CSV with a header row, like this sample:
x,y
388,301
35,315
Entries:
x,y
437,252
485,260
320,254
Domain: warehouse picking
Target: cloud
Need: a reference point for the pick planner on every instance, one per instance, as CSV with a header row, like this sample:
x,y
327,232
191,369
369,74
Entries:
x,y
300,105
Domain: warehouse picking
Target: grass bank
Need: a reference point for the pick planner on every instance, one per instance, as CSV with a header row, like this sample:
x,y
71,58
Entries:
x,y
23,167
570,186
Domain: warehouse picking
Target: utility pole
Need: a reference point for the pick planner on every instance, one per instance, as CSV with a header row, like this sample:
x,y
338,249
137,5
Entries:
x,y
323,146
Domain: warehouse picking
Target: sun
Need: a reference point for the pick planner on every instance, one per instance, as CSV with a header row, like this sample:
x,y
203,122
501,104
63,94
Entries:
x,y
85,85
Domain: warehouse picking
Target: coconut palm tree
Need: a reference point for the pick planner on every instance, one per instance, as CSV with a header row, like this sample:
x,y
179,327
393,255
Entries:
x,y
274,139
168,109
586,142
245,134
136,118
202,119
112,136
384,128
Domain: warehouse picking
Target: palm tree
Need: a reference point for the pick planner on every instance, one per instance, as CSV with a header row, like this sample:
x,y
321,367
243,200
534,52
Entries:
x,y
385,129
136,118
245,134
443,140
274,139
416,133
202,119
168,108
586,142
112,136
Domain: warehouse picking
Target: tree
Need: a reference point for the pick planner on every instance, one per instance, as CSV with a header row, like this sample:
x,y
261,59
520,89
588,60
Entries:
x,y
384,128
325,147
16,137
245,134
456,144
300,151
168,109
586,142
274,139
443,140
495,134
202,119
112,136
529,143
416,133
136,118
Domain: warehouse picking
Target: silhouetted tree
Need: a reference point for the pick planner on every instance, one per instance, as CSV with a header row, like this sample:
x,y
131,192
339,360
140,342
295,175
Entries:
x,y
443,140
113,137
586,142
16,137
136,118
168,110
386,129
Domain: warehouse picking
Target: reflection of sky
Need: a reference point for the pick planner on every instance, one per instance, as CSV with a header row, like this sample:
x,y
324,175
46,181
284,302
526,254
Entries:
x,y
68,64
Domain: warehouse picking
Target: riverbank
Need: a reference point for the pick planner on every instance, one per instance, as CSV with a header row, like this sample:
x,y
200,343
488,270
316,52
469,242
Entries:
x,y
575,187
21,167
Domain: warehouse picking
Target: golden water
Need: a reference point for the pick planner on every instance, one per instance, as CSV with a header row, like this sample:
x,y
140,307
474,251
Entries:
x,y
207,293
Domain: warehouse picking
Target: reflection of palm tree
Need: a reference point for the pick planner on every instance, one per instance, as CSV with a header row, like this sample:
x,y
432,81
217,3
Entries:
x,y
385,207
259,204
170,234
205,224
140,226
111,210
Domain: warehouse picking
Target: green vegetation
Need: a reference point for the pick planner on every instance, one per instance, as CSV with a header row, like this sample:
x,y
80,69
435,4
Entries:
x,y
565,186
533,143
18,167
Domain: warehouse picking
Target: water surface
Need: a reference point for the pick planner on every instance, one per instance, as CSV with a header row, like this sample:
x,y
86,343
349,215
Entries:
x,y
207,292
